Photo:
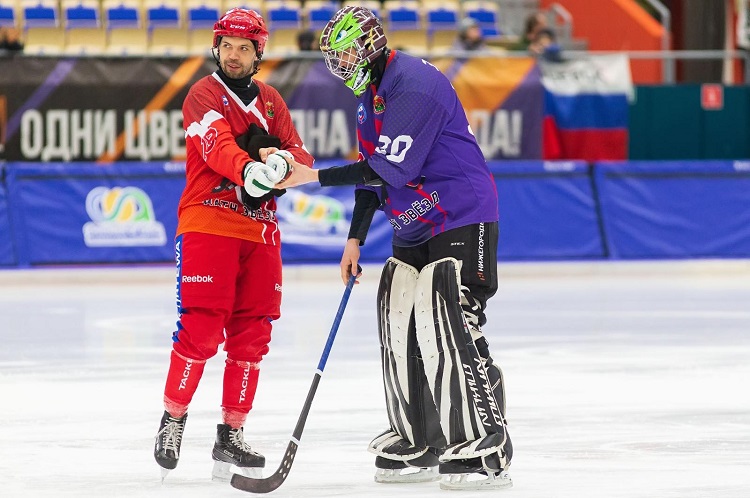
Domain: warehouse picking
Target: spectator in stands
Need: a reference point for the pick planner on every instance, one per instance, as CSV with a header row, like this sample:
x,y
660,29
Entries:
x,y
470,36
307,41
10,39
534,24
545,46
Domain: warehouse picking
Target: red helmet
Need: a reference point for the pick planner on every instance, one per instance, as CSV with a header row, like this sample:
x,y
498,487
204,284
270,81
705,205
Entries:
x,y
242,23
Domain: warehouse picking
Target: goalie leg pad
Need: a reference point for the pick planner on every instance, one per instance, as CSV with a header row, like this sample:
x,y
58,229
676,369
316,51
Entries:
x,y
494,451
392,446
494,372
449,353
479,464
411,411
398,461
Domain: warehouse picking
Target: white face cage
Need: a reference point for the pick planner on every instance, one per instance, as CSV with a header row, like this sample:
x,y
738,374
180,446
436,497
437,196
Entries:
x,y
344,63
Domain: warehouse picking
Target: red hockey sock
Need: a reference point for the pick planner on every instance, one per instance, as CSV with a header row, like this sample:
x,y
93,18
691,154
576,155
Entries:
x,y
240,384
182,381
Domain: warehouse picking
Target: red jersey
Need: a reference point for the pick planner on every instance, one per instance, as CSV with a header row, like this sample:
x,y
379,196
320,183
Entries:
x,y
213,116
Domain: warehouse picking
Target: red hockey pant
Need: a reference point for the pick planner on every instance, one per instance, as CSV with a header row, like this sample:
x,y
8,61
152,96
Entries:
x,y
228,291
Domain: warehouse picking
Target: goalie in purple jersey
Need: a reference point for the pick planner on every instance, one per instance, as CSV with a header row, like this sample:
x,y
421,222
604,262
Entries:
x,y
420,164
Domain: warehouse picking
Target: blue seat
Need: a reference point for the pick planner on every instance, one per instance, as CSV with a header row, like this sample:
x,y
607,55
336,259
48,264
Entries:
x,y
81,16
318,17
440,18
163,16
487,20
40,16
7,16
122,16
283,17
202,17
402,18
442,26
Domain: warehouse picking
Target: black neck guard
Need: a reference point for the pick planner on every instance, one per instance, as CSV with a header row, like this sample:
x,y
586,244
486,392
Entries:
x,y
245,88
378,67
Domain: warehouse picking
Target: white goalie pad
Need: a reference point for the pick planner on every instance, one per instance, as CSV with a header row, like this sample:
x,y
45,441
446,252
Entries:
x,y
395,306
392,446
493,443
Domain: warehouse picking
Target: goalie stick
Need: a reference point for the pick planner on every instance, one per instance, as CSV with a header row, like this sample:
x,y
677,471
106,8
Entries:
x,y
268,484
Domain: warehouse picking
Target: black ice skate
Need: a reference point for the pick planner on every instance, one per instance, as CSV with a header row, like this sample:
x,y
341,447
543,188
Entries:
x,y
168,440
230,449
399,461
397,471
474,473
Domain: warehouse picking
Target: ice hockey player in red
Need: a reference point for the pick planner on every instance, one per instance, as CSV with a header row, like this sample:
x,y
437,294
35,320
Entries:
x,y
227,246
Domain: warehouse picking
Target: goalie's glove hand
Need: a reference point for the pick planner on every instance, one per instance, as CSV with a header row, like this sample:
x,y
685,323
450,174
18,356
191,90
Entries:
x,y
260,179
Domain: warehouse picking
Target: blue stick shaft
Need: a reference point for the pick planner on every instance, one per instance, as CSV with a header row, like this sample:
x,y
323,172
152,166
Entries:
x,y
268,484
336,322
297,434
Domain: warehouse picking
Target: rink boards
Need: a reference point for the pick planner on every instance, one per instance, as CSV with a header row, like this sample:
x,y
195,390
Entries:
x,y
90,213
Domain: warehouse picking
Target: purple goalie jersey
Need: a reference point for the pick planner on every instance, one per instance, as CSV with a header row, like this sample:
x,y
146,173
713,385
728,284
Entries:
x,y
414,133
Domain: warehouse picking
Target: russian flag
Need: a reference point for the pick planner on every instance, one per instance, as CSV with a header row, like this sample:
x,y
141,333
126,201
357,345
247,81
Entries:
x,y
586,105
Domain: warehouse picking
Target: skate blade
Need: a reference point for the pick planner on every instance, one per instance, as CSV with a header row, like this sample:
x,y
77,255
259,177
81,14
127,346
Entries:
x,y
223,472
407,475
476,481
164,474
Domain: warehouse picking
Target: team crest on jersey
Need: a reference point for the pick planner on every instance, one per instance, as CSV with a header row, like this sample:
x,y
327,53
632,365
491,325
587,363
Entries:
x,y
225,100
361,114
269,109
378,105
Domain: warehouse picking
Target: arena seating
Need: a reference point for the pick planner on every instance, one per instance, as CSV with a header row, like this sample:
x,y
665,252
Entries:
x,y
183,27
42,30
126,31
487,15
285,20
167,33
442,23
84,32
404,25
319,12
8,15
201,16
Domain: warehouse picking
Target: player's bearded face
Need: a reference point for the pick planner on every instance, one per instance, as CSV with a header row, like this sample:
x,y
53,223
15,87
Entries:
x,y
237,56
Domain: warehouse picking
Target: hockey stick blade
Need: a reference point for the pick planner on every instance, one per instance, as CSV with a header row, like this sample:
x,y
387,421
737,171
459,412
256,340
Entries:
x,y
268,484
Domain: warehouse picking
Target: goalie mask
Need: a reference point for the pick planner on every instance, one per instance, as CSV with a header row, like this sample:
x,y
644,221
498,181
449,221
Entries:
x,y
350,42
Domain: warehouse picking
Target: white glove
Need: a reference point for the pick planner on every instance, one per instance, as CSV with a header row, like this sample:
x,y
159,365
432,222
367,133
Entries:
x,y
279,161
259,179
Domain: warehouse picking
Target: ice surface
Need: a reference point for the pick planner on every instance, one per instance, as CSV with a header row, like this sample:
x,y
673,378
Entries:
x,y
623,380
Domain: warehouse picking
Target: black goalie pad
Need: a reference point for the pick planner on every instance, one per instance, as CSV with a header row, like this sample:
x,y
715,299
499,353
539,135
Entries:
x,y
254,139
462,388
